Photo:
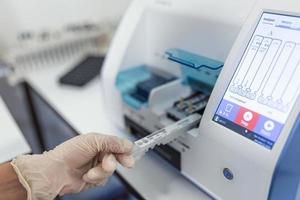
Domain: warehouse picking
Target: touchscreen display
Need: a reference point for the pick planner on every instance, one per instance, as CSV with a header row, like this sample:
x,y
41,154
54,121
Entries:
x,y
266,84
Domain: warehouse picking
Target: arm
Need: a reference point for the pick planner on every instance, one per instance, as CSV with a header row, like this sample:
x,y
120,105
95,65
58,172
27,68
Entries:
x,y
10,187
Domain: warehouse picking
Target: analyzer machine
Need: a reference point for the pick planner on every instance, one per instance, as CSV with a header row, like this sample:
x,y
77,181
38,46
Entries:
x,y
235,70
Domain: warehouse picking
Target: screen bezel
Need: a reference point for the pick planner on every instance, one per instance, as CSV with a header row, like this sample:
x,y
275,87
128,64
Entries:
x,y
239,61
234,140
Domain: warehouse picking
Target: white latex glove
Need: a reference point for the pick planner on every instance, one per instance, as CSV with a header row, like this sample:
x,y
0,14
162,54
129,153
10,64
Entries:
x,y
82,162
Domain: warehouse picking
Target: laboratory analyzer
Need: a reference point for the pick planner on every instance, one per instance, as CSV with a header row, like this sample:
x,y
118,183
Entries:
x,y
234,71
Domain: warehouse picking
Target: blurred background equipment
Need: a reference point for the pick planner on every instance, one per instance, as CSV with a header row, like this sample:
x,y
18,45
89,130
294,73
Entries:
x,y
43,33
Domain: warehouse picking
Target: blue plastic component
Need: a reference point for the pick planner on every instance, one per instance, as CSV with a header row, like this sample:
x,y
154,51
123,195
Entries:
x,y
132,102
126,83
196,68
192,60
135,85
286,178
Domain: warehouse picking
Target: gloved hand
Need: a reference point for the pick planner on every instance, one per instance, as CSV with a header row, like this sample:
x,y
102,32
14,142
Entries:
x,y
80,163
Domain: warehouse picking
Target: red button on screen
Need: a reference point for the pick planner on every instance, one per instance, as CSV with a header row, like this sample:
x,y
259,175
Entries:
x,y
247,118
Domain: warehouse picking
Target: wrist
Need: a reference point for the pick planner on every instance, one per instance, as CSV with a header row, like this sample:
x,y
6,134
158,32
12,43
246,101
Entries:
x,y
21,179
10,186
33,173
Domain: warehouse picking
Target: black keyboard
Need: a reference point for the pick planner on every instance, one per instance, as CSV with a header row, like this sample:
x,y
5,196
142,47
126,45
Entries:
x,y
83,72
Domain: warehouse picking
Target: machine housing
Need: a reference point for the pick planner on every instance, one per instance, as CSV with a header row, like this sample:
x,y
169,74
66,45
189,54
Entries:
x,y
162,66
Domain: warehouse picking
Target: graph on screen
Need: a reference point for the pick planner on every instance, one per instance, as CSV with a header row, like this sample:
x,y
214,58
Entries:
x,y
269,73
266,83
